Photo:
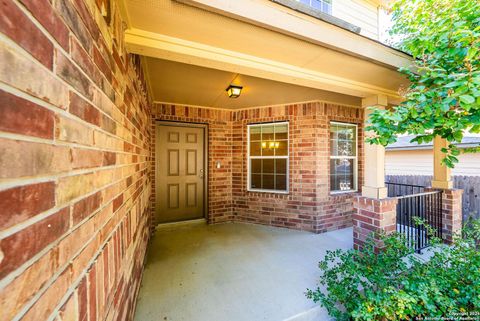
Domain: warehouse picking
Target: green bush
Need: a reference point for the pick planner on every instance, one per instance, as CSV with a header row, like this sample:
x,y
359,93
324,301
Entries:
x,y
395,285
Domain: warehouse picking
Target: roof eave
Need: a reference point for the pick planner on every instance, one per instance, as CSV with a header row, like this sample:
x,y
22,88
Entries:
x,y
273,16
426,147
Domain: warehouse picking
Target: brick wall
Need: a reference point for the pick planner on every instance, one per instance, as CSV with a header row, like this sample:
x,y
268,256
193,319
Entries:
x,y
309,205
451,214
377,216
74,149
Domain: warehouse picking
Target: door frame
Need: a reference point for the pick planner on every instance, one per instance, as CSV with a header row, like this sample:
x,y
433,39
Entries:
x,y
205,158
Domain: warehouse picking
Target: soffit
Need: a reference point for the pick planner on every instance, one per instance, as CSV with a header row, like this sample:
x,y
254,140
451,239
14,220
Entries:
x,y
174,19
186,84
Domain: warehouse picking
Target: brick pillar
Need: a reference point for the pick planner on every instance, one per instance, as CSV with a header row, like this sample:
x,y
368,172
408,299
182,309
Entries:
x,y
451,213
373,216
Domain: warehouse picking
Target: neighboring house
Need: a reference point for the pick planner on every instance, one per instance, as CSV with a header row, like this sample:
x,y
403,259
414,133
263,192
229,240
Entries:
x,y
361,16
406,158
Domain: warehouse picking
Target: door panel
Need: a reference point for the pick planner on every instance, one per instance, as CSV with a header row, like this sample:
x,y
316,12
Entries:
x,y
179,173
173,159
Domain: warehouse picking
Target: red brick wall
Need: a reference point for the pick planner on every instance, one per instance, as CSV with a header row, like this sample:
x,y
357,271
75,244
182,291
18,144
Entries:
x,y
74,149
309,205
376,216
451,214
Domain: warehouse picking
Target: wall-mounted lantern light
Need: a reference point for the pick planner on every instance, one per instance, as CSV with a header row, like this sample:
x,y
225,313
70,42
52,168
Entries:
x,y
234,91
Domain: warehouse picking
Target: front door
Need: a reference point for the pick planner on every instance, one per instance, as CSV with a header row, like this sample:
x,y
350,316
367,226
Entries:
x,y
180,172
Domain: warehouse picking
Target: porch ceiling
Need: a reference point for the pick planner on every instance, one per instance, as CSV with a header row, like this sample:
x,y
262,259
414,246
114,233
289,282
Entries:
x,y
180,83
179,32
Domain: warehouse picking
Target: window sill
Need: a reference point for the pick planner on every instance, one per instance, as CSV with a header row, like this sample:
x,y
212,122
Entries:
x,y
268,191
338,193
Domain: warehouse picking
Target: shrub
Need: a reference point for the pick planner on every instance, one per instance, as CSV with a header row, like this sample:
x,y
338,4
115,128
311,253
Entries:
x,y
395,285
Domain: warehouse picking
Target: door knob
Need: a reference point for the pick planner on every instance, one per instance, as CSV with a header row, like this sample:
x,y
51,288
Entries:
x,y
201,173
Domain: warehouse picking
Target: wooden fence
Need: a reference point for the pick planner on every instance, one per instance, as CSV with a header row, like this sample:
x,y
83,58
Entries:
x,y
469,184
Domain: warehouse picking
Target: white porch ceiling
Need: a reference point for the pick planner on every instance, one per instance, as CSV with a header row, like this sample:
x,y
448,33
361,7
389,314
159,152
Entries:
x,y
174,31
180,83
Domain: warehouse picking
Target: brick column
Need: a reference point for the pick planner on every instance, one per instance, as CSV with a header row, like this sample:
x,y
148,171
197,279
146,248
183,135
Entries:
x,y
373,216
451,213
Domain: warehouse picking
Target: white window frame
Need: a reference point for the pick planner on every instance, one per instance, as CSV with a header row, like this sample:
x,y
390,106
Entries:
x,y
355,163
330,6
287,157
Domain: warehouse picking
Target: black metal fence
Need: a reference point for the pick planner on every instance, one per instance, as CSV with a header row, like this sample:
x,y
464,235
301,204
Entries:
x,y
399,189
469,184
428,207
413,202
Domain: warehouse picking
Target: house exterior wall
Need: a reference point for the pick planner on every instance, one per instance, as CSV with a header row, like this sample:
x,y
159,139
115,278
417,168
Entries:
x,y
309,205
361,13
420,162
74,149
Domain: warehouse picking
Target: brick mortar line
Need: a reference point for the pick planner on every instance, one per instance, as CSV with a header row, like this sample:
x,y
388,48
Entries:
x,y
111,301
61,143
52,73
19,271
28,180
137,290
57,46
57,110
73,285
14,274
22,225
134,189
47,33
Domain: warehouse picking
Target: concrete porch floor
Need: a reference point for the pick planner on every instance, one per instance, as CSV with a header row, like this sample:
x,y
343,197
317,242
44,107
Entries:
x,y
234,272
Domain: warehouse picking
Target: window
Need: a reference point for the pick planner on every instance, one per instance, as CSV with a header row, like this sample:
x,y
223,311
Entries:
x,y
322,5
268,157
343,157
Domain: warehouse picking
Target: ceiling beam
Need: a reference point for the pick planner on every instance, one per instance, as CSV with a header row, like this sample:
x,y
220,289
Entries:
x,y
165,47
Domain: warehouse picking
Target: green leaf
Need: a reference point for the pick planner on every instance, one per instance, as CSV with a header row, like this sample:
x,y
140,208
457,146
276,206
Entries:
x,y
475,129
452,84
458,135
445,107
447,162
467,99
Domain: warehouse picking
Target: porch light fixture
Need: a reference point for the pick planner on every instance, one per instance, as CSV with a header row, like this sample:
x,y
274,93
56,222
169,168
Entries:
x,y
234,91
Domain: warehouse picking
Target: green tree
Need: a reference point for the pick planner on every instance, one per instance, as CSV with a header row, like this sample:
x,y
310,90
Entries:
x,y
443,97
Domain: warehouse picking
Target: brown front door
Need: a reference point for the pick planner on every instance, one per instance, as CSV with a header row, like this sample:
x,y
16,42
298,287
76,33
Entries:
x,y
180,172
